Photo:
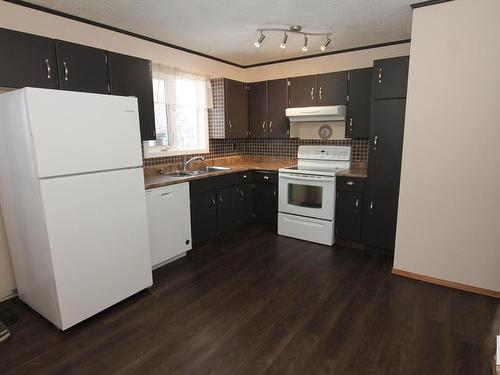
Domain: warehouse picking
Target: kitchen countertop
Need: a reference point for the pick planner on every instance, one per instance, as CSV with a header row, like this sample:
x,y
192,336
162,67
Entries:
x,y
237,164
358,169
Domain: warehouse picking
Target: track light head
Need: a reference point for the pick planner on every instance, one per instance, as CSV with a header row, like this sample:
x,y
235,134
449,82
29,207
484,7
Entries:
x,y
283,43
323,46
304,49
261,39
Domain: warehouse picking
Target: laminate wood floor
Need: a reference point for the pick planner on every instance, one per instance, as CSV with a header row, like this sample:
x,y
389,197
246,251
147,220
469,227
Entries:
x,y
255,303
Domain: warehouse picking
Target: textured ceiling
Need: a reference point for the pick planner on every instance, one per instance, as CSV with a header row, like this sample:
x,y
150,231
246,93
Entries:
x,y
227,28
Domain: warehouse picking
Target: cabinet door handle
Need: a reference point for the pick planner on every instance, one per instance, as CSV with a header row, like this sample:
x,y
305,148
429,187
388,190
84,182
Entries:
x,y
371,208
274,192
230,126
350,183
379,75
66,71
266,177
312,93
375,142
270,126
49,69
264,126
220,200
320,93
356,204
213,201
242,195
350,124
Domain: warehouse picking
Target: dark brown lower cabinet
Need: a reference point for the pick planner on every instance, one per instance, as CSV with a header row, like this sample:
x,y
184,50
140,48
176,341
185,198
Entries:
x,y
219,204
245,203
203,216
227,209
266,197
348,215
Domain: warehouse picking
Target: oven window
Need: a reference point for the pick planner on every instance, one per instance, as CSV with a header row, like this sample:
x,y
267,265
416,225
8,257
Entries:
x,y
305,195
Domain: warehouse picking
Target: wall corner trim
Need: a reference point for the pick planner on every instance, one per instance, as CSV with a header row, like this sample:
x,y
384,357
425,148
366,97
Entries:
x,y
449,284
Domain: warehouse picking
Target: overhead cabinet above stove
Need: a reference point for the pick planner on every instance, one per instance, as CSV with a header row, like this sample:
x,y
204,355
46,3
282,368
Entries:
x,y
318,90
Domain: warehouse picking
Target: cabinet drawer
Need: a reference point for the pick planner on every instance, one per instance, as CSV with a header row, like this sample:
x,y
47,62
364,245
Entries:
x,y
246,177
351,184
266,177
213,183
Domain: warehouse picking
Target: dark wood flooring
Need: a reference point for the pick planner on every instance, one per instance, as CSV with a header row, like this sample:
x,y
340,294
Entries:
x,y
255,303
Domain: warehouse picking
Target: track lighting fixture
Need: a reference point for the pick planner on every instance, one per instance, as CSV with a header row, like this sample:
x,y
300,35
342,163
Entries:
x,y
304,49
294,30
283,43
262,37
323,46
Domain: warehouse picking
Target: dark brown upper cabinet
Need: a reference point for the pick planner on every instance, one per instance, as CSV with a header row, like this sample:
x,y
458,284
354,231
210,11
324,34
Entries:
x,y
236,109
82,68
358,107
303,91
318,90
131,76
277,100
267,104
27,60
332,89
257,97
390,78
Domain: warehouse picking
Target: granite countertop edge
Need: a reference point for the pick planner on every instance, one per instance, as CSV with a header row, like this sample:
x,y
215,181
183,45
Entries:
x,y
153,181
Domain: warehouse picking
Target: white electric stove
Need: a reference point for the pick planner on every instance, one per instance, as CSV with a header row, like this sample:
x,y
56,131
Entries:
x,y
307,193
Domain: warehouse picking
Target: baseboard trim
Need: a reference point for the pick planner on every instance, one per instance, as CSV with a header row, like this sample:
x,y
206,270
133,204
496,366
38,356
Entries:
x,y
449,284
7,297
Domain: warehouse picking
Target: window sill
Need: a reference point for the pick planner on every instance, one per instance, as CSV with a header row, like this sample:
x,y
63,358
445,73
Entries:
x,y
151,154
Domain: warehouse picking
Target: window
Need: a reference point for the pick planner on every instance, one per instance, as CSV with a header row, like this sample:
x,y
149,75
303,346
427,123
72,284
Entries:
x,y
181,102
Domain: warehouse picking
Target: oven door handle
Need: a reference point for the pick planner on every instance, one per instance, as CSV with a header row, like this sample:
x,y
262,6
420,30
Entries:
x,y
304,178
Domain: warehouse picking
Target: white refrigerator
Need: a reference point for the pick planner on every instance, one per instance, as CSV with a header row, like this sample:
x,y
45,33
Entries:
x,y
72,196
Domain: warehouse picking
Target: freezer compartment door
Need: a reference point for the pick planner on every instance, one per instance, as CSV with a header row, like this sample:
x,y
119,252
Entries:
x,y
98,238
74,132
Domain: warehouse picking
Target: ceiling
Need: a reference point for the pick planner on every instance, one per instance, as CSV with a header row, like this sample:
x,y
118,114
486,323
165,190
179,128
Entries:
x,y
226,29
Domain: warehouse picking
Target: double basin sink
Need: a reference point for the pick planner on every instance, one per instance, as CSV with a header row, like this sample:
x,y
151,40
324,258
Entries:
x,y
196,172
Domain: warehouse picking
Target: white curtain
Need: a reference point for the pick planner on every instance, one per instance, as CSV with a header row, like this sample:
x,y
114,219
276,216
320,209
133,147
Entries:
x,y
183,98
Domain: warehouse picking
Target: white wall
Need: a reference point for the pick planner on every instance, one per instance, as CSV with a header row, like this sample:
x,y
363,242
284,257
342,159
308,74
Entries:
x,y
449,205
31,21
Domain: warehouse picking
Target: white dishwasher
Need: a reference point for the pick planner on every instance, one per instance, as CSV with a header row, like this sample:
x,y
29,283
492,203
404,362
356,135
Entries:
x,y
169,221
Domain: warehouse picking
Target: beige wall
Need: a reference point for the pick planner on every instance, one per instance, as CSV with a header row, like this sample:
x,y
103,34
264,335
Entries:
x,y
325,64
27,20
449,206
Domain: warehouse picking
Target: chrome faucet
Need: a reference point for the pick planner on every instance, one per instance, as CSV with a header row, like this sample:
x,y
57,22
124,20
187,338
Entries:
x,y
185,163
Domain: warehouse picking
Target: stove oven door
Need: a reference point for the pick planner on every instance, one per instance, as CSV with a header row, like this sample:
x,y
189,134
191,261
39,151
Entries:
x,y
307,195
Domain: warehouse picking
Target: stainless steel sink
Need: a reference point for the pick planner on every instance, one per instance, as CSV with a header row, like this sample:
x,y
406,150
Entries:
x,y
181,173
214,168
194,172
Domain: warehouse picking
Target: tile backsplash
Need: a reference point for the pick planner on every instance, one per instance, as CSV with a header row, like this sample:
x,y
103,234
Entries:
x,y
286,148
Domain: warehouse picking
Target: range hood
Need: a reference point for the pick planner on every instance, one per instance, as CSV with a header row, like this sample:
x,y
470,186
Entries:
x,y
314,114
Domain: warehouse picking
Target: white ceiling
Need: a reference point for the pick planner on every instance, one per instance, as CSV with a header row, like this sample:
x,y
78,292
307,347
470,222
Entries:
x,y
227,28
